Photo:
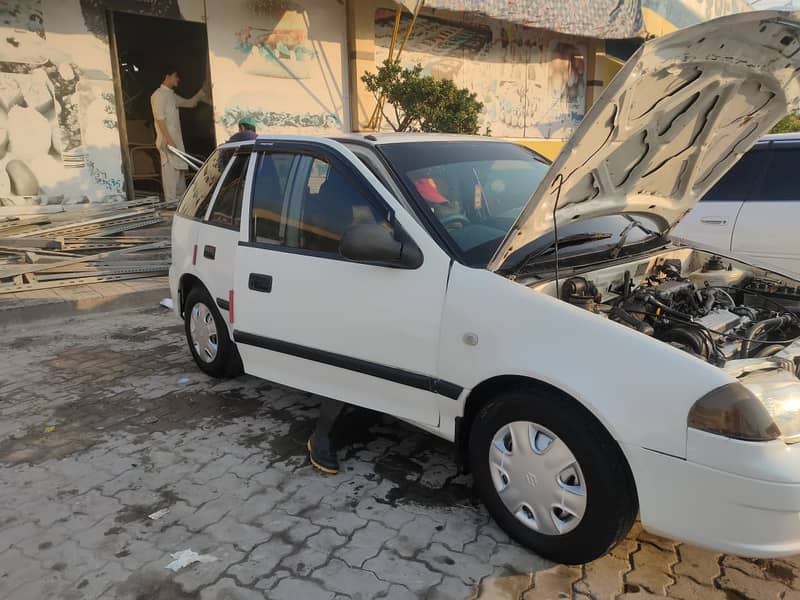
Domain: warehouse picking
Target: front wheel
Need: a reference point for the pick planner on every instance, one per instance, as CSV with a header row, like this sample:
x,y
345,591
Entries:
x,y
551,476
207,335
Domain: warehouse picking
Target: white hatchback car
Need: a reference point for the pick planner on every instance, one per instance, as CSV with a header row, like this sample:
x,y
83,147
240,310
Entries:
x,y
582,382
754,210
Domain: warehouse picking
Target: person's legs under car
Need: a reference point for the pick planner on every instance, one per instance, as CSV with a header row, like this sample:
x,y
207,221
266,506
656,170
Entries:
x,y
320,448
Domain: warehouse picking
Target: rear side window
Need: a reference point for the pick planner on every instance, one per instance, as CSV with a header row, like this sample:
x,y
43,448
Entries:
x,y
227,209
269,191
780,178
197,197
736,184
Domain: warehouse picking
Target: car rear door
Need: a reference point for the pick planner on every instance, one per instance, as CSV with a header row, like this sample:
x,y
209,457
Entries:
x,y
219,235
307,317
711,221
767,227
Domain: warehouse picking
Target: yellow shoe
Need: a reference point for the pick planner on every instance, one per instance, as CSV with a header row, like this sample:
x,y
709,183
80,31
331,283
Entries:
x,y
325,462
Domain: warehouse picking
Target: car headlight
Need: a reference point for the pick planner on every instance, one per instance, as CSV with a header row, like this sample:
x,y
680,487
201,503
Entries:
x,y
779,392
734,411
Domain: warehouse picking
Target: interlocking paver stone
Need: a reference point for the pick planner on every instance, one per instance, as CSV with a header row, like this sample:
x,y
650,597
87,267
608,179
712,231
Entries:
x,y
227,589
553,583
652,569
338,577
737,582
198,575
365,543
262,560
700,565
293,589
688,589
413,537
465,567
413,575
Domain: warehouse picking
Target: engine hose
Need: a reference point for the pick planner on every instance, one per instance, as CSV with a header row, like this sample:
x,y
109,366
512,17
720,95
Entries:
x,y
666,309
768,351
760,328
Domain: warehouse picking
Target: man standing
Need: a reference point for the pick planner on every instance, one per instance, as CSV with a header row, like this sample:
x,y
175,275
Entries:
x,y
165,103
247,130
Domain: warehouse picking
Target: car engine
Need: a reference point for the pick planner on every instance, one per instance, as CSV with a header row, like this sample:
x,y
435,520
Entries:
x,y
718,312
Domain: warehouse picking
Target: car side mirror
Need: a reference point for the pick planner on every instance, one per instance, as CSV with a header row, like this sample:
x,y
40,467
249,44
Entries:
x,y
375,244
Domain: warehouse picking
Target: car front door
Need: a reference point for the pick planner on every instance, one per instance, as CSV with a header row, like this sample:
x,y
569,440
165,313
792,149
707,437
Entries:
x,y
767,227
307,317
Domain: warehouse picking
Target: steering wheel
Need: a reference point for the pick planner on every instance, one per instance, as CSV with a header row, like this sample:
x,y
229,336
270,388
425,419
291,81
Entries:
x,y
448,220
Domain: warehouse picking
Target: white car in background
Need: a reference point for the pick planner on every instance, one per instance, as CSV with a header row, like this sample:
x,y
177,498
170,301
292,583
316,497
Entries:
x,y
754,210
583,382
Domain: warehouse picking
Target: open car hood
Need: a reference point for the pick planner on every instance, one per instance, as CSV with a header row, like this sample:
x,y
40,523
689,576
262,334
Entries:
x,y
678,115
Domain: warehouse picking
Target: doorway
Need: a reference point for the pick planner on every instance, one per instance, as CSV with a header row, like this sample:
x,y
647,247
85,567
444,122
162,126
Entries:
x,y
144,46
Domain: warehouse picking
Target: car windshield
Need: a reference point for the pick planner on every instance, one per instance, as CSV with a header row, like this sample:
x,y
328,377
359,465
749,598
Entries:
x,y
475,190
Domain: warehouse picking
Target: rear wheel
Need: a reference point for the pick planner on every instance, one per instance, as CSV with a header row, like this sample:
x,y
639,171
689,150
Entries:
x,y
551,476
207,335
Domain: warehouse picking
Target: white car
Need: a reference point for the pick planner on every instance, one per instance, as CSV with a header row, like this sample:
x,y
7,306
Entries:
x,y
754,210
613,374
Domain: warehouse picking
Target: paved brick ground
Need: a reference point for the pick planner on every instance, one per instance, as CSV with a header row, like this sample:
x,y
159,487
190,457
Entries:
x,y
105,420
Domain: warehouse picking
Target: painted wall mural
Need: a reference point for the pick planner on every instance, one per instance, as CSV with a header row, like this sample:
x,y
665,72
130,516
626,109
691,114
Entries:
x,y
59,141
532,83
280,62
684,13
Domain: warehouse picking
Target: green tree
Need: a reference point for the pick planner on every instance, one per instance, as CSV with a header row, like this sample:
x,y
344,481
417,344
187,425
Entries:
x,y
788,124
422,103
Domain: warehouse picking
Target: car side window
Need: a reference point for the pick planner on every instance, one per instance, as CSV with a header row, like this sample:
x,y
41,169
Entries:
x,y
227,209
779,181
737,183
198,196
269,192
330,204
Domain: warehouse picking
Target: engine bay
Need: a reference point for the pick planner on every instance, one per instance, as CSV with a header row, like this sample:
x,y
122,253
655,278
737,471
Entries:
x,y
714,308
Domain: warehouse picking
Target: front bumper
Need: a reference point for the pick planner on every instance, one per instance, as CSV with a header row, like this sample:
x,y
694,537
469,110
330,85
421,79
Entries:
x,y
754,514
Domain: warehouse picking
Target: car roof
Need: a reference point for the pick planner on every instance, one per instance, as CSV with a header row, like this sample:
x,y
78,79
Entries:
x,y
405,138
782,138
374,139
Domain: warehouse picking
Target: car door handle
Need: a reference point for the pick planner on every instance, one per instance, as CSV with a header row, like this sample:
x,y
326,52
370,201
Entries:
x,y
209,252
714,220
260,283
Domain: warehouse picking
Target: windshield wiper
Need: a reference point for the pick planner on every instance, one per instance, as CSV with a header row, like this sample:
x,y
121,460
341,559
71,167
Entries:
x,y
570,240
614,252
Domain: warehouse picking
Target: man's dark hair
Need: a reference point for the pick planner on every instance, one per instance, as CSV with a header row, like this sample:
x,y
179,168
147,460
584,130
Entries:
x,y
247,127
168,70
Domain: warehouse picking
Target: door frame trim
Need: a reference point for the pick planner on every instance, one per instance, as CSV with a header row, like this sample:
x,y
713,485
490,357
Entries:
x,y
393,374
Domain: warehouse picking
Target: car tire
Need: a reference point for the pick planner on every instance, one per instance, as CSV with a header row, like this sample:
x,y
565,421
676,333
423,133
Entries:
x,y
207,336
570,515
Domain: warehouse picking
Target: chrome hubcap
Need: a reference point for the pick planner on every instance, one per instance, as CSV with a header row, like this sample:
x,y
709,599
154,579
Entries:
x,y
203,331
537,477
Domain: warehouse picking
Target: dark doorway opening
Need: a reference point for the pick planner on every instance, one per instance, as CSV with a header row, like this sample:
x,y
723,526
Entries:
x,y
144,45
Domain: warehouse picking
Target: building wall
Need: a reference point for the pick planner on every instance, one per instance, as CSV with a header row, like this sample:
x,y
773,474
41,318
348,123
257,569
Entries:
x,y
684,13
283,63
531,82
59,131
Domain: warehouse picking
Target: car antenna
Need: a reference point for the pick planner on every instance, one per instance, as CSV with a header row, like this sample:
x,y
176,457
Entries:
x,y
559,180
